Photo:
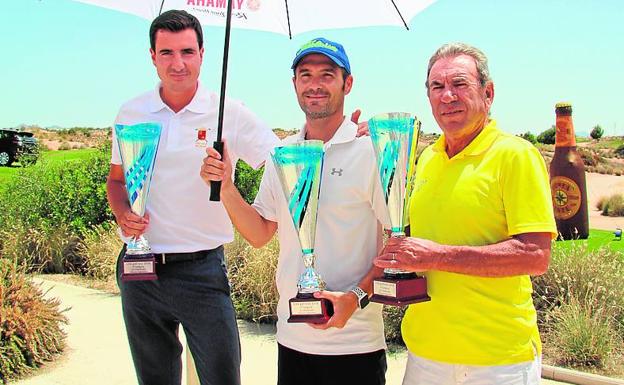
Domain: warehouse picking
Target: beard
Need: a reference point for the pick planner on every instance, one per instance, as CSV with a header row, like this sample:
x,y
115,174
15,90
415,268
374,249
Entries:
x,y
325,112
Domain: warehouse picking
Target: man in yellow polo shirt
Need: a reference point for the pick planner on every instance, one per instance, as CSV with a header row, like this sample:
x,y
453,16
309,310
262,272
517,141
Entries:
x,y
481,223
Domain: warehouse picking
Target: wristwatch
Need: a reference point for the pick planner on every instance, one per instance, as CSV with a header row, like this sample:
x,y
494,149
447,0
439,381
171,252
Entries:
x,y
361,295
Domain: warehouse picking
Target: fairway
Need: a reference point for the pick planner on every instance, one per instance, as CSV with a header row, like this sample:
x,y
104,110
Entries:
x,y
47,157
596,240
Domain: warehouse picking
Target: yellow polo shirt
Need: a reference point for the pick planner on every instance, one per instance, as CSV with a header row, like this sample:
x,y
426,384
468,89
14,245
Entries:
x,y
495,188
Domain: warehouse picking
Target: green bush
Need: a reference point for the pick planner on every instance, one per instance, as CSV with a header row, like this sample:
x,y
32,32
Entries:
x,y
619,152
54,193
596,132
529,137
30,325
548,136
45,209
247,180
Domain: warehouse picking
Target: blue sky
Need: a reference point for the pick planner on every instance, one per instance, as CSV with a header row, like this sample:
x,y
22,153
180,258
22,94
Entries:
x,y
71,64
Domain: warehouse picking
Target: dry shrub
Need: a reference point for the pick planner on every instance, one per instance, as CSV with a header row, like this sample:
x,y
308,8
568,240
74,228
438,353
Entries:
x,y
584,337
392,316
100,248
600,203
46,249
252,276
613,206
590,157
30,325
580,304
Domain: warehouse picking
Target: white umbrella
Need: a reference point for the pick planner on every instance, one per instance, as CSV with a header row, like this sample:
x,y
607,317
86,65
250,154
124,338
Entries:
x,y
278,16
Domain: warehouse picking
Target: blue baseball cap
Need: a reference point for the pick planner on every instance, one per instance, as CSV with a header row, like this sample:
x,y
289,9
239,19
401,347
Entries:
x,y
325,47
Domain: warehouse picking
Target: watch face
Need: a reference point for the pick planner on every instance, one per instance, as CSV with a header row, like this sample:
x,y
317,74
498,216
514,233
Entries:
x,y
361,295
364,301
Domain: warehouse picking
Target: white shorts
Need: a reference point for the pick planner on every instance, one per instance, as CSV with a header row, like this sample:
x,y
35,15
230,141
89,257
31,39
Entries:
x,y
420,371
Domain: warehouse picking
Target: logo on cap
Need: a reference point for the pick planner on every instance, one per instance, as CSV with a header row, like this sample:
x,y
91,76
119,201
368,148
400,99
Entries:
x,y
331,49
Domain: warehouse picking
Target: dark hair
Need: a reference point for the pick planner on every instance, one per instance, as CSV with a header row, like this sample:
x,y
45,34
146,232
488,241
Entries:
x,y
175,21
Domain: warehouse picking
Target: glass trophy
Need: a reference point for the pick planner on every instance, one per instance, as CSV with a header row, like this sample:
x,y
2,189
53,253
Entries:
x,y
395,137
299,168
138,145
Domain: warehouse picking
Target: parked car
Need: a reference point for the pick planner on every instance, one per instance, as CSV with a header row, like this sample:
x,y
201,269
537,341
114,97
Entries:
x,y
17,146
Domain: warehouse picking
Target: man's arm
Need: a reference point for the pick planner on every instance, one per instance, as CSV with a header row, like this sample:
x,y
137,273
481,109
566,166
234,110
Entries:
x,y
527,253
345,304
253,227
131,224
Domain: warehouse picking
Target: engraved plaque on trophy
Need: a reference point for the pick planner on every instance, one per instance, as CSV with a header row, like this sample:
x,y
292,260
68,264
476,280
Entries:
x,y
299,168
395,136
138,145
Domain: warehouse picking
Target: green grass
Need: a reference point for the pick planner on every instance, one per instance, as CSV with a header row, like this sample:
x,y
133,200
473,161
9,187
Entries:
x,y
596,240
6,173
610,142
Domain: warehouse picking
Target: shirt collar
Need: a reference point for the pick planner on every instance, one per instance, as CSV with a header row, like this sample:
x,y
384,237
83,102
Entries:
x,y
477,146
200,103
345,133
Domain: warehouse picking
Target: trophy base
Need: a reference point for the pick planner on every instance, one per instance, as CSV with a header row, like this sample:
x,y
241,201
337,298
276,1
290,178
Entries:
x,y
400,289
305,308
141,267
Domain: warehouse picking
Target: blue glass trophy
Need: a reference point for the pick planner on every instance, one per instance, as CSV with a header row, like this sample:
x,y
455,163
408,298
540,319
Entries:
x,y
138,145
395,137
299,168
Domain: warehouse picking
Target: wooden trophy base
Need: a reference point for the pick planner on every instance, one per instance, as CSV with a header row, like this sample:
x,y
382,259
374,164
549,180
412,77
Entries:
x,y
400,291
305,308
138,268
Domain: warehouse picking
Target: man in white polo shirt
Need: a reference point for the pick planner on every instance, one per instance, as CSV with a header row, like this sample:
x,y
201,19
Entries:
x,y
350,348
184,228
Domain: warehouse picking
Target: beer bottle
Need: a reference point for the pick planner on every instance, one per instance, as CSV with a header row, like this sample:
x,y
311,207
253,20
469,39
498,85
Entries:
x,y
567,179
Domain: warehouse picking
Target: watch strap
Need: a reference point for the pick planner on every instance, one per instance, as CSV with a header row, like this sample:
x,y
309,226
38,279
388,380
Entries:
x,y
361,295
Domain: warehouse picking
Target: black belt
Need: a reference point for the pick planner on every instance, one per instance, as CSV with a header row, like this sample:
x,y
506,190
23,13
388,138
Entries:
x,y
165,258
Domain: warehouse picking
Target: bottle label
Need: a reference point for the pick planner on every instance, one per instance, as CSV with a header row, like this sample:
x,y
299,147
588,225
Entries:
x,y
564,136
566,197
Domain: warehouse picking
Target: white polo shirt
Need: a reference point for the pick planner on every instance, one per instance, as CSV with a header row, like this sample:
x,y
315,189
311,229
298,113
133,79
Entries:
x,y
347,239
182,218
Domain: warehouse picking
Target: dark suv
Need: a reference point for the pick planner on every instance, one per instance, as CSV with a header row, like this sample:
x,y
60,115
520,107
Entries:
x,y
17,146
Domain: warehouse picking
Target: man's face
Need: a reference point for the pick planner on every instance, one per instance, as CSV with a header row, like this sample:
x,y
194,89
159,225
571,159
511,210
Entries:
x,y
319,86
178,59
459,103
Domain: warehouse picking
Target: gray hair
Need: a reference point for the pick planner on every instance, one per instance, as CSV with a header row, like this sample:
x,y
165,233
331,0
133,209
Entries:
x,y
456,49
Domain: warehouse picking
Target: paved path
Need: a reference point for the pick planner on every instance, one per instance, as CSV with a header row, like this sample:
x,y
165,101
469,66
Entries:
x,y
98,354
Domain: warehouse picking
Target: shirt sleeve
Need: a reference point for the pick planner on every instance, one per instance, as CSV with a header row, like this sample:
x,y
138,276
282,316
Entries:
x,y
115,156
254,138
266,199
526,194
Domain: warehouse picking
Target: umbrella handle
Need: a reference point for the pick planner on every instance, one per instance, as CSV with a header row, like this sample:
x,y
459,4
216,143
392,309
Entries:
x,y
215,186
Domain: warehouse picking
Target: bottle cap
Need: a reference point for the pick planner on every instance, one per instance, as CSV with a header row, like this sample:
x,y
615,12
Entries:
x,y
563,108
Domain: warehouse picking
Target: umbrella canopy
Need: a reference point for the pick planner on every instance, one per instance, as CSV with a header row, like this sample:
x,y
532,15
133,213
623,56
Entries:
x,y
281,16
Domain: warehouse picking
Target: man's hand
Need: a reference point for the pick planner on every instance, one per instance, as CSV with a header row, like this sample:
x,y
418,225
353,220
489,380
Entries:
x,y
217,168
362,127
131,224
410,254
345,304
